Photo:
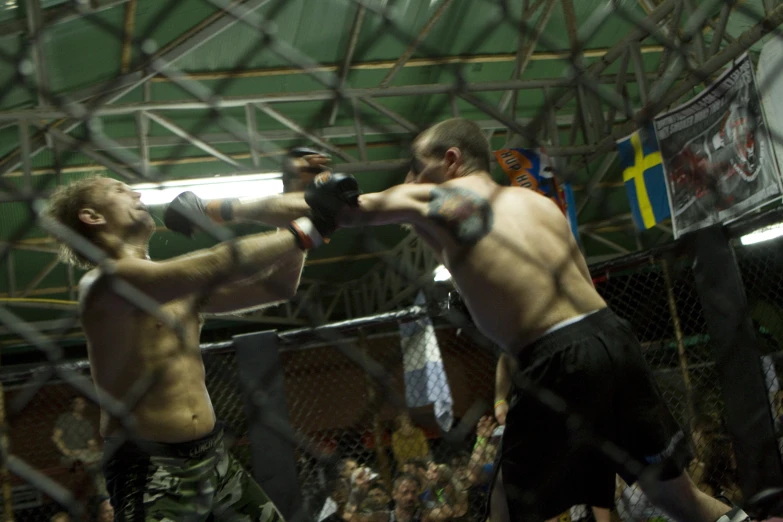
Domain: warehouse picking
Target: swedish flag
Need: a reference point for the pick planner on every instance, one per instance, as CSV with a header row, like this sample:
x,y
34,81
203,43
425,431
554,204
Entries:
x,y
644,177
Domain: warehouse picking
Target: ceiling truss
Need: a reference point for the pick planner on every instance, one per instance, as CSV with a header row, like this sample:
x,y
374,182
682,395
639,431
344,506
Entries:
x,y
601,115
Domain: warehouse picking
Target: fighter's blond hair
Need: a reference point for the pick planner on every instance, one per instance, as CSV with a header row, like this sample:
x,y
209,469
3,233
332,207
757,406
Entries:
x,y
63,206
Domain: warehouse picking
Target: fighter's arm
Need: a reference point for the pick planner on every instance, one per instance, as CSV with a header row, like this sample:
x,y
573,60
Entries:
x,y
57,438
276,211
397,205
268,287
201,272
464,214
502,387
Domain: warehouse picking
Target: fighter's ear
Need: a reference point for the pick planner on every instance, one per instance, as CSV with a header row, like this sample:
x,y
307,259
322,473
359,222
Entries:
x,y
453,160
90,216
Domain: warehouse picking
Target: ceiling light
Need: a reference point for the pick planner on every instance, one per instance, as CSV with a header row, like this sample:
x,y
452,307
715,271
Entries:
x,y
763,234
243,186
441,274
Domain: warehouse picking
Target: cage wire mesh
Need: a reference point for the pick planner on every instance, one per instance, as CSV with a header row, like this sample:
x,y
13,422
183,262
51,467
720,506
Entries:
x,y
346,396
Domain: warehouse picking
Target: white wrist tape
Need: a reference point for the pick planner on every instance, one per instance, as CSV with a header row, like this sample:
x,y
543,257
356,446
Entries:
x,y
307,233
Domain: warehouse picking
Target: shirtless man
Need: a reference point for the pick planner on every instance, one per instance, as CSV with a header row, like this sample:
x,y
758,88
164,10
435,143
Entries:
x,y
174,464
514,259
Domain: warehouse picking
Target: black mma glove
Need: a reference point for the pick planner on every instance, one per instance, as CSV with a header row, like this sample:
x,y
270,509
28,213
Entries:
x,y
184,212
294,175
327,195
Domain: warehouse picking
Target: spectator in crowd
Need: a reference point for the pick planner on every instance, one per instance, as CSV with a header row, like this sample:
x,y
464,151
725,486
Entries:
x,y
60,516
105,511
73,432
361,480
336,507
408,441
407,506
418,468
714,467
377,501
339,489
448,499
91,457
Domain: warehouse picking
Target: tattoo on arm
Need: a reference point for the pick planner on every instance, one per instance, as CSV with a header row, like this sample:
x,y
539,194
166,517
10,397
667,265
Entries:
x,y
462,212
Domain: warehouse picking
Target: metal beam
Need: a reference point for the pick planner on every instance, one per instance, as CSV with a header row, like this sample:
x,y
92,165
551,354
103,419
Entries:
x,y
291,124
128,29
194,140
57,15
41,276
406,55
87,150
595,181
11,274
194,38
720,30
375,65
611,244
619,88
752,35
635,35
36,33
345,68
639,72
410,126
357,122
252,131
120,86
365,95
699,47
525,52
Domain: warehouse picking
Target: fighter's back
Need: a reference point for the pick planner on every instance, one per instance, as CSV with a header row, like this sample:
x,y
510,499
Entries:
x,y
526,274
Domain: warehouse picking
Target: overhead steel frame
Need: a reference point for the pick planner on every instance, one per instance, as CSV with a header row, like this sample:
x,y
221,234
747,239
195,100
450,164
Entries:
x,y
597,110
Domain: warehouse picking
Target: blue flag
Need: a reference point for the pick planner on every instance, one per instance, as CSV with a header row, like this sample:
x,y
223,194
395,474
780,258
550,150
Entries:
x,y
425,376
644,178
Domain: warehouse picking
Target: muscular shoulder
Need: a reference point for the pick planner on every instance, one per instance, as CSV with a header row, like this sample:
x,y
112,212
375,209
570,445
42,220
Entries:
x,y
465,211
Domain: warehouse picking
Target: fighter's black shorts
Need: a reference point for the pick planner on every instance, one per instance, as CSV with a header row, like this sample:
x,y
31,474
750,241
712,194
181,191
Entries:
x,y
585,406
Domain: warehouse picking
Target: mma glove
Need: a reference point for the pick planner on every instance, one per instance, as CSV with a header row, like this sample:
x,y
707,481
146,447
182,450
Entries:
x,y
292,172
184,212
327,196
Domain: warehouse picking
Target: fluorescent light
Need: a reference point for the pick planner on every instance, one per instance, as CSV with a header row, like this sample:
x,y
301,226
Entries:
x,y
763,234
441,274
244,186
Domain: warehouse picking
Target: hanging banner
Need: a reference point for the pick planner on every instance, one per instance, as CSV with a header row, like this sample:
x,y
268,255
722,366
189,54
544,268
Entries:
x,y
770,87
717,153
533,169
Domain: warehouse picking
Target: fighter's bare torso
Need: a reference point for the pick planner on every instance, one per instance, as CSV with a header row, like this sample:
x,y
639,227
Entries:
x,y
133,354
526,274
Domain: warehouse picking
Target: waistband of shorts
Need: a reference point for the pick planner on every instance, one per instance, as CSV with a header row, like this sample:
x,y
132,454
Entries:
x,y
554,341
185,450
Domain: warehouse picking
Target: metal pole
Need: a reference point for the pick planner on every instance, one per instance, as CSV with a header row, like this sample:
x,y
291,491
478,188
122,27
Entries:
x,y
346,65
755,33
415,43
686,377
367,96
194,140
127,36
5,476
276,115
377,427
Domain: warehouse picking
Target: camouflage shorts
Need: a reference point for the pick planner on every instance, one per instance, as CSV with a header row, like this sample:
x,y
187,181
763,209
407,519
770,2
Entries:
x,y
148,486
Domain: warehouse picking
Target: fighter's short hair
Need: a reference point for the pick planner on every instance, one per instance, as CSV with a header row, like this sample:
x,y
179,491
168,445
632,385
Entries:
x,y
464,134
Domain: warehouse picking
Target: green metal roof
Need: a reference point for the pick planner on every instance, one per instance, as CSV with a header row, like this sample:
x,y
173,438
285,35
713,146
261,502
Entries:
x,y
476,38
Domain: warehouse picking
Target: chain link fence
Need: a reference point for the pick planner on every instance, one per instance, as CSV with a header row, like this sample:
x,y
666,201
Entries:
x,y
335,404
345,400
